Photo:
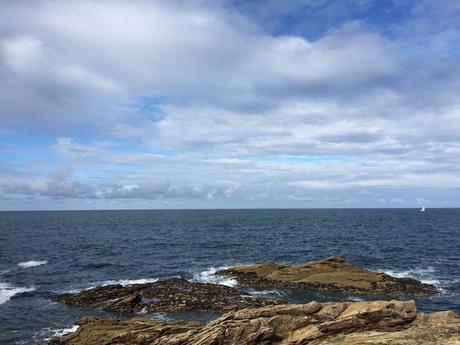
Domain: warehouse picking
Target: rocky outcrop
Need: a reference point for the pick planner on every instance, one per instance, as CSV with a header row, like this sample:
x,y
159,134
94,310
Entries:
x,y
331,275
171,295
340,323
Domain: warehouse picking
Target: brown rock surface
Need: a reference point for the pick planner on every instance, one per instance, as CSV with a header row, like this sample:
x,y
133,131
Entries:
x,y
333,274
171,295
340,323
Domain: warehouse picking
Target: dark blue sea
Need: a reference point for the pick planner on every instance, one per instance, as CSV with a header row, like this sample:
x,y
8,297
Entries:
x,y
45,253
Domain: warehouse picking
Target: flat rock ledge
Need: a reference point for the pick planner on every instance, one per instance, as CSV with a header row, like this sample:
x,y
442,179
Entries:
x,y
330,275
335,323
170,295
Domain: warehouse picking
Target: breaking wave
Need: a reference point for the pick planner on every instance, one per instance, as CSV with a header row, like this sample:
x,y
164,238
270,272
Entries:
x,y
7,291
123,282
63,331
126,282
46,334
210,276
425,275
32,263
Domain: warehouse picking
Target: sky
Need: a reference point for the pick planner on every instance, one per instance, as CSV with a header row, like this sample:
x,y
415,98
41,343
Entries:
x,y
229,104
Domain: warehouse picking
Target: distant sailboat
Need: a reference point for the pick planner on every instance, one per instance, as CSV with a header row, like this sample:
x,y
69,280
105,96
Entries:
x,y
422,209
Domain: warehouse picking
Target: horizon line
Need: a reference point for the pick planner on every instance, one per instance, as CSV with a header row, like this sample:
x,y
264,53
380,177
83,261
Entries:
x,y
232,209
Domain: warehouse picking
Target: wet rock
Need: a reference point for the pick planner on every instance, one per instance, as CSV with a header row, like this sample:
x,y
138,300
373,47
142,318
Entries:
x,y
340,323
171,295
330,275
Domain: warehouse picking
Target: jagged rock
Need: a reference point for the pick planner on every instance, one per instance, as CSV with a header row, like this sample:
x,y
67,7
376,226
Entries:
x,y
330,275
340,323
171,295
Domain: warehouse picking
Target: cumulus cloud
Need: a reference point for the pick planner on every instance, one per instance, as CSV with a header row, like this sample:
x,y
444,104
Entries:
x,y
63,186
159,100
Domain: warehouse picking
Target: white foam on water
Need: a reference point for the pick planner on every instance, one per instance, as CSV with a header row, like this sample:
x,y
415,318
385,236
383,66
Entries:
x,y
160,317
63,331
126,282
142,311
210,276
425,275
123,282
355,299
32,263
7,291
267,293
46,334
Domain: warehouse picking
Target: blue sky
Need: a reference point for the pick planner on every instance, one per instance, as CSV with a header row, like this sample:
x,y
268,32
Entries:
x,y
229,104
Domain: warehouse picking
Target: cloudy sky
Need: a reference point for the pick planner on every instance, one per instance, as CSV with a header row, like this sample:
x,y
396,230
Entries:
x,y
215,104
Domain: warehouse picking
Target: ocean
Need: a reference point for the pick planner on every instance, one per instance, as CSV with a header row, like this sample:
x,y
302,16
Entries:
x,y
50,252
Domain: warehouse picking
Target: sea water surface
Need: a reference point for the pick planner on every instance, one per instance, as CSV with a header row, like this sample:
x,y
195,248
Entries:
x,y
46,253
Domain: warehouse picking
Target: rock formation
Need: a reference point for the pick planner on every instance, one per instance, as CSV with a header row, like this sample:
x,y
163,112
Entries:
x,y
330,275
171,295
339,323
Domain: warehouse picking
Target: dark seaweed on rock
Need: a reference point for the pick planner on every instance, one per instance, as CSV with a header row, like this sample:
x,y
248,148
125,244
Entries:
x,y
170,295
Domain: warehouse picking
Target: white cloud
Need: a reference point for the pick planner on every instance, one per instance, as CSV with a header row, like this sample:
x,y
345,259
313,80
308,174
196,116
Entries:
x,y
214,107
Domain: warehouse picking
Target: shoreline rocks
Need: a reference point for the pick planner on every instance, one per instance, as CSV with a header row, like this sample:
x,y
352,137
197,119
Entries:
x,y
170,295
334,323
250,321
330,275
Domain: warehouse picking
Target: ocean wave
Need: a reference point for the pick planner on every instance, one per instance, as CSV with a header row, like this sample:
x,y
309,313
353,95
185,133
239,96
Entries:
x,y
7,291
123,282
32,263
126,282
425,275
210,276
63,331
46,334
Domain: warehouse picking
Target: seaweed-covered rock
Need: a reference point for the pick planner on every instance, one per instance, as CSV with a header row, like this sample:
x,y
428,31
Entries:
x,y
170,295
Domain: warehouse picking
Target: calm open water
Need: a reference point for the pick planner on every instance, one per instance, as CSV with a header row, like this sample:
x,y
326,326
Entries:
x,y
43,253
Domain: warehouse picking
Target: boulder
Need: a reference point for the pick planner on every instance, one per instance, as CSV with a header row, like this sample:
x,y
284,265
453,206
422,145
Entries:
x,y
330,275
